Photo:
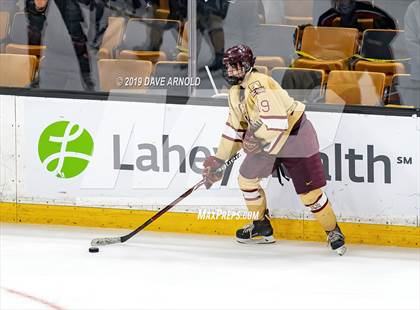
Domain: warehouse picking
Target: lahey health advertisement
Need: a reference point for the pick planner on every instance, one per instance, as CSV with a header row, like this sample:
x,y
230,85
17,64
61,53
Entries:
x,y
143,155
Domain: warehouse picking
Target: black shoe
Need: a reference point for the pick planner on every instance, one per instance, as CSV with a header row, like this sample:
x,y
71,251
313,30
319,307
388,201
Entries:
x,y
257,232
336,240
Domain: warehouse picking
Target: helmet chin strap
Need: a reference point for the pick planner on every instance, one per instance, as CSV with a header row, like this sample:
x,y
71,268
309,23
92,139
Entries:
x,y
235,80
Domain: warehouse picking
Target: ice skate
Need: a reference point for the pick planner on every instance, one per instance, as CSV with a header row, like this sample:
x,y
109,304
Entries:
x,y
336,240
256,232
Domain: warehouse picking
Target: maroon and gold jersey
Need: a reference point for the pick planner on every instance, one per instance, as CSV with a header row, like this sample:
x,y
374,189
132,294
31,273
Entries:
x,y
259,102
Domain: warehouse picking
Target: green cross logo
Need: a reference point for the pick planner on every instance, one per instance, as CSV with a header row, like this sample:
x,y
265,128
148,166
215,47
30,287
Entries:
x,y
65,149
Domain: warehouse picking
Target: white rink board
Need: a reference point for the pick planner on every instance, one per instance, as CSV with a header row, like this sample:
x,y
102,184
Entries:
x,y
355,195
7,149
141,127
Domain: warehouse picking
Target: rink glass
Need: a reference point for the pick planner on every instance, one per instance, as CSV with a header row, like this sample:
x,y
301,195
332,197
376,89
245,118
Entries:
x,y
92,47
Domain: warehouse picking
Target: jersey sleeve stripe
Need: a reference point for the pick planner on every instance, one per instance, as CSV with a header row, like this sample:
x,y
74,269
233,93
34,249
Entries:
x,y
276,129
231,139
273,117
236,129
276,124
232,133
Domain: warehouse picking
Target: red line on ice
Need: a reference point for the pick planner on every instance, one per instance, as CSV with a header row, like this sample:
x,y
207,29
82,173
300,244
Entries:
x,y
42,301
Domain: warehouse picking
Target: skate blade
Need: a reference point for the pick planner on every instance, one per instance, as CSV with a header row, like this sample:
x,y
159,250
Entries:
x,y
257,240
341,250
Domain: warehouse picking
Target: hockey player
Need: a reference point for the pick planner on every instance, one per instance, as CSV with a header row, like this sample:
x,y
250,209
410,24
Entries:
x,y
270,126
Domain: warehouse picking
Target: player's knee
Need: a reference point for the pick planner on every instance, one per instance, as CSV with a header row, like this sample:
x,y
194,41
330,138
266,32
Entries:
x,y
246,184
316,200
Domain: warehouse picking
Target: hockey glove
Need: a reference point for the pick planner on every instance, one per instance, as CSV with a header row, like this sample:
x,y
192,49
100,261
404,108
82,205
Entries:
x,y
210,173
251,144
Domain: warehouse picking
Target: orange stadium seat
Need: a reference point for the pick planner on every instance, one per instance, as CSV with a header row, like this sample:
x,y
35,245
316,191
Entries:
x,y
153,56
355,88
300,14
17,70
18,38
4,28
123,74
327,48
383,51
302,84
112,37
137,40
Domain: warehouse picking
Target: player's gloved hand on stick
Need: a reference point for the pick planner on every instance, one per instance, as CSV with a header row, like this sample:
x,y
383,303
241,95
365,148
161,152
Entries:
x,y
210,173
251,144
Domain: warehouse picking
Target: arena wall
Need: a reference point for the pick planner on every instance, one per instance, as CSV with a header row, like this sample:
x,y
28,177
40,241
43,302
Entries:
x,y
113,163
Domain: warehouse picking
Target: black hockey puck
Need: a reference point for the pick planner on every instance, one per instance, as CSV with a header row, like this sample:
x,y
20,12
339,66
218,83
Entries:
x,y
93,249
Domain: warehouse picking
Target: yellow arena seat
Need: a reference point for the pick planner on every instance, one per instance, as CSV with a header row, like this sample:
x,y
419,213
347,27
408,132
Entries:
x,y
355,88
4,28
112,37
123,74
18,38
153,56
17,70
327,48
150,39
383,51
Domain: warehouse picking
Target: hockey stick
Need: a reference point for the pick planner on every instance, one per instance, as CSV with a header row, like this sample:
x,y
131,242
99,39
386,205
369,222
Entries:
x,y
114,240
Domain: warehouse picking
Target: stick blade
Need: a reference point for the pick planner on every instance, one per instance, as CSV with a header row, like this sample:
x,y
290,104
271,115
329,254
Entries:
x,y
105,241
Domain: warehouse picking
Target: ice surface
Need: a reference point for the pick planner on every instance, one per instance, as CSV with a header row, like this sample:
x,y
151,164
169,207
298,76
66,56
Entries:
x,y
53,267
